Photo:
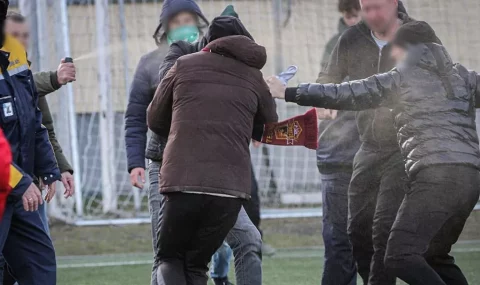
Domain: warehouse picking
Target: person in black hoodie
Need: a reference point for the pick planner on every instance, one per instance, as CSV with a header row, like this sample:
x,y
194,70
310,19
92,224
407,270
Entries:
x,y
378,180
434,104
338,142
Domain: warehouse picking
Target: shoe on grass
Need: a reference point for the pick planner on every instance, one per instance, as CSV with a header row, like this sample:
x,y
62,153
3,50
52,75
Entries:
x,y
268,250
222,281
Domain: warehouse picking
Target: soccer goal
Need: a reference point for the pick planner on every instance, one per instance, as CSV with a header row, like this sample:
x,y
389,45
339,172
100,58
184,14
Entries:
x,y
107,38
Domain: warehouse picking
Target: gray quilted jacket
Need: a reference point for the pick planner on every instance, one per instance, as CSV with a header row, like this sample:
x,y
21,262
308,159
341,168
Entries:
x,y
433,102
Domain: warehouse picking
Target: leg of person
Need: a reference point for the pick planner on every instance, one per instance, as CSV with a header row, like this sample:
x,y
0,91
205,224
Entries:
x,y
362,198
42,210
393,186
339,266
29,250
219,216
155,207
5,223
246,243
429,222
252,206
221,264
182,214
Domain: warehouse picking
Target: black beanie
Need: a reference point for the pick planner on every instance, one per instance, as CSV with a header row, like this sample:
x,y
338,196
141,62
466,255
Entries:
x,y
415,32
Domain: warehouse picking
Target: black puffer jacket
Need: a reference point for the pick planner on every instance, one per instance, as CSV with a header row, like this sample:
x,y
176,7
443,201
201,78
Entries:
x,y
433,102
357,56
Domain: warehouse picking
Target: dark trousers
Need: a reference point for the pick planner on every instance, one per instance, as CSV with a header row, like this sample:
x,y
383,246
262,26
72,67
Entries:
x,y
194,226
26,247
430,220
339,265
252,206
376,191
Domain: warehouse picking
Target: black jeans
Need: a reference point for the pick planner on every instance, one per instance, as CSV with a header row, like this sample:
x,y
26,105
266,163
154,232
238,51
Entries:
x,y
376,191
194,226
429,222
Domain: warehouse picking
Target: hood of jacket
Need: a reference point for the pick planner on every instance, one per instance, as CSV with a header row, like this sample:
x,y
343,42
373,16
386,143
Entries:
x,y
224,26
240,48
172,7
342,27
431,56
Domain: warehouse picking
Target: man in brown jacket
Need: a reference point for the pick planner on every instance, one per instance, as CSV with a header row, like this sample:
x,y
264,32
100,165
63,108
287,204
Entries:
x,y
207,105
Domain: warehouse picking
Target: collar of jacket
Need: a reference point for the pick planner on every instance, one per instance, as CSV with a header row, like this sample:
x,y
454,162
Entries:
x,y
342,27
431,56
240,48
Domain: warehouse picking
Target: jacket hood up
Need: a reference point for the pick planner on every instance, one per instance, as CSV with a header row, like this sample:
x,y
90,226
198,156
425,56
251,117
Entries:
x,y
431,56
224,26
240,48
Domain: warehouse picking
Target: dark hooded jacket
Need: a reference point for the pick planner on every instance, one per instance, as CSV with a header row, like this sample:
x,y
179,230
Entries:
x,y
357,56
142,89
207,105
433,102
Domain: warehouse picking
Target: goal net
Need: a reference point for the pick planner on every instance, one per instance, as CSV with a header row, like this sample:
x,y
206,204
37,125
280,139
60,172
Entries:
x,y
107,39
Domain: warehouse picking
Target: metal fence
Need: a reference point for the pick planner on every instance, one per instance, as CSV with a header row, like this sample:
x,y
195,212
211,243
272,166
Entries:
x,y
107,39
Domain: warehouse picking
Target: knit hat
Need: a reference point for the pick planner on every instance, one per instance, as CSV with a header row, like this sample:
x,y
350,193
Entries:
x,y
171,8
229,11
415,32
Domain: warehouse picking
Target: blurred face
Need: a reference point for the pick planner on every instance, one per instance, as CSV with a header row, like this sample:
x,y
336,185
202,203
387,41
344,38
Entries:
x,y
182,19
398,53
379,14
19,31
351,18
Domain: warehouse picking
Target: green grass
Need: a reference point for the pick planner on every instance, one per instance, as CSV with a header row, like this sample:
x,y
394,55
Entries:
x,y
283,270
97,255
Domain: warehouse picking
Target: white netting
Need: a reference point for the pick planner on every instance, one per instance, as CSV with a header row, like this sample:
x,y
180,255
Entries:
x,y
293,31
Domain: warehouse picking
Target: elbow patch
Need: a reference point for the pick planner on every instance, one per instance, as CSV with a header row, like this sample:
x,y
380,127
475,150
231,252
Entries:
x,y
15,176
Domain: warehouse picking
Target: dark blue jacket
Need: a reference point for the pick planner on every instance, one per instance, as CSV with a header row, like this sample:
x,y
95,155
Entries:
x,y
21,121
339,139
145,82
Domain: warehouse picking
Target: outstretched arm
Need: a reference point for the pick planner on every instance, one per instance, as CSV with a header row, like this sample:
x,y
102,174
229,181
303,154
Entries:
x,y
369,93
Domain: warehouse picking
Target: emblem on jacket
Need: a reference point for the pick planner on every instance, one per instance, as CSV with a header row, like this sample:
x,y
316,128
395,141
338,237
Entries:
x,y
7,109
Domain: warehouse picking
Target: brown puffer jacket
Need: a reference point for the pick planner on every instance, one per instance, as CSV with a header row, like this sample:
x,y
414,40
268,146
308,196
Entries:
x,y
207,105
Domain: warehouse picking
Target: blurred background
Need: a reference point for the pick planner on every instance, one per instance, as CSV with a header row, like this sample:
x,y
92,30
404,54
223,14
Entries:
x,y
106,38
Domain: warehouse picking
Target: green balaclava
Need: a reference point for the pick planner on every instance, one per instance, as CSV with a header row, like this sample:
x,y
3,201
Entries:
x,y
189,34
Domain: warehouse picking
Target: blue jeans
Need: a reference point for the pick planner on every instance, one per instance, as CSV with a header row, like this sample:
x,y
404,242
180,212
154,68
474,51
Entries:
x,y
339,265
26,246
221,261
42,210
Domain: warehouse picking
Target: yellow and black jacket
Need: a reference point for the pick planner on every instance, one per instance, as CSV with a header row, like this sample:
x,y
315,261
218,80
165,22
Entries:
x,y
21,120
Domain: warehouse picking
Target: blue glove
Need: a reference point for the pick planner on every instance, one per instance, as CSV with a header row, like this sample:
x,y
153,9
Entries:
x,y
288,74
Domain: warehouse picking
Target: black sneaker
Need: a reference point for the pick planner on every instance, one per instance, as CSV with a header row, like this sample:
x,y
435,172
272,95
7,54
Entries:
x,y
222,281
